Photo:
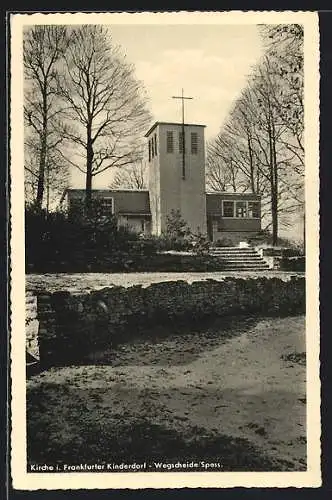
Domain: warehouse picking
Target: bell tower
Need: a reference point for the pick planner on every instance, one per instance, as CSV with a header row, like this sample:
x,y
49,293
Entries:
x,y
177,174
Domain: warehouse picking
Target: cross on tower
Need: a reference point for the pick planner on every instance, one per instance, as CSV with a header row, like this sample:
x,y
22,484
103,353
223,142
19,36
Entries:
x,y
182,97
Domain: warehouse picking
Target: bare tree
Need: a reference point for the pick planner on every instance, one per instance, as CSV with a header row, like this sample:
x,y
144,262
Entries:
x,y
223,172
106,105
263,133
43,49
56,174
233,155
131,177
285,50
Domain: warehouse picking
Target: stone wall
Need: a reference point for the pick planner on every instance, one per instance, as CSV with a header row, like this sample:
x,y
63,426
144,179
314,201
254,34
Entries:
x,y
72,326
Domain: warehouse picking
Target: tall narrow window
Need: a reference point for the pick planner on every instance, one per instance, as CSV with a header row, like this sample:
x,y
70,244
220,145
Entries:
x,y
194,143
149,150
155,144
180,142
169,142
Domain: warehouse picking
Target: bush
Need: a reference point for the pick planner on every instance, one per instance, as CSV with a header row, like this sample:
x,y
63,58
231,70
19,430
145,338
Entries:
x,y
177,235
292,264
144,246
282,252
60,242
200,244
165,243
264,238
223,242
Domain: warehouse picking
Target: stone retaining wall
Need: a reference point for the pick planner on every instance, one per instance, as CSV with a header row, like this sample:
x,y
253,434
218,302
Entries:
x,y
72,326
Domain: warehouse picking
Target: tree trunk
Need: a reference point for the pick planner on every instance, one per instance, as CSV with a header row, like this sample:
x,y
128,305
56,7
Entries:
x,y
88,184
274,211
251,161
233,177
42,156
275,189
88,192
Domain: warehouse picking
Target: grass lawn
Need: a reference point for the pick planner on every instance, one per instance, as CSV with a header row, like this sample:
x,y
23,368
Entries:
x,y
231,392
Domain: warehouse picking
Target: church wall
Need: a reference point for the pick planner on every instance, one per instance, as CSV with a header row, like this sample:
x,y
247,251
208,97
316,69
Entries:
x,y
154,189
234,224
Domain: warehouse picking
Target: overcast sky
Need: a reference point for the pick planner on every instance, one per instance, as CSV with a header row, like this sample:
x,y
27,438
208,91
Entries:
x,y
211,63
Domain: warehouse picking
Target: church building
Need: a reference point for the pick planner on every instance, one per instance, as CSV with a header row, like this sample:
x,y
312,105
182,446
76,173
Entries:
x,y
177,182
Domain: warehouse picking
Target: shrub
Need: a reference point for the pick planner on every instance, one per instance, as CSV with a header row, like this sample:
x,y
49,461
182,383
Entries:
x,y
282,252
177,235
292,264
144,246
264,238
60,241
200,244
223,242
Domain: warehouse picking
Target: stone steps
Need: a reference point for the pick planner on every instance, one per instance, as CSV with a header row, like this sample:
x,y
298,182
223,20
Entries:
x,y
245,264
235,250
240,259
240,254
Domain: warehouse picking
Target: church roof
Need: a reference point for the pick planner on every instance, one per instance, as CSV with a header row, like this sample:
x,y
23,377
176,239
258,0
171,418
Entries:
x,y
171,123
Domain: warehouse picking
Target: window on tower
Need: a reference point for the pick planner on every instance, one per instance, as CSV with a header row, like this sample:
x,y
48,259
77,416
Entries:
x,y
169,142
194,143
155,144
149,150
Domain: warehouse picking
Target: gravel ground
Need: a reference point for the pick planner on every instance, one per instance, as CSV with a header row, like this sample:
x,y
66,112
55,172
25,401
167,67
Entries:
x,y
232,393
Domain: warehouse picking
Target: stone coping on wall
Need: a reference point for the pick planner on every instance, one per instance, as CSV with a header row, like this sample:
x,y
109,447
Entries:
x,y
86,282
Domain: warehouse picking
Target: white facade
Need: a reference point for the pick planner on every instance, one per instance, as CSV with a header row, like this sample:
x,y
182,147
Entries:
x,y
171,186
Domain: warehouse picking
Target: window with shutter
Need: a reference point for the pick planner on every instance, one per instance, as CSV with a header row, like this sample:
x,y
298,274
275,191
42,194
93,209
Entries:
x,y
194,143
155,144
169,142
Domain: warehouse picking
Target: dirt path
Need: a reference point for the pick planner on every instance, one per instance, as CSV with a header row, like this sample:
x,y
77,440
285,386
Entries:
x,y
242,387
